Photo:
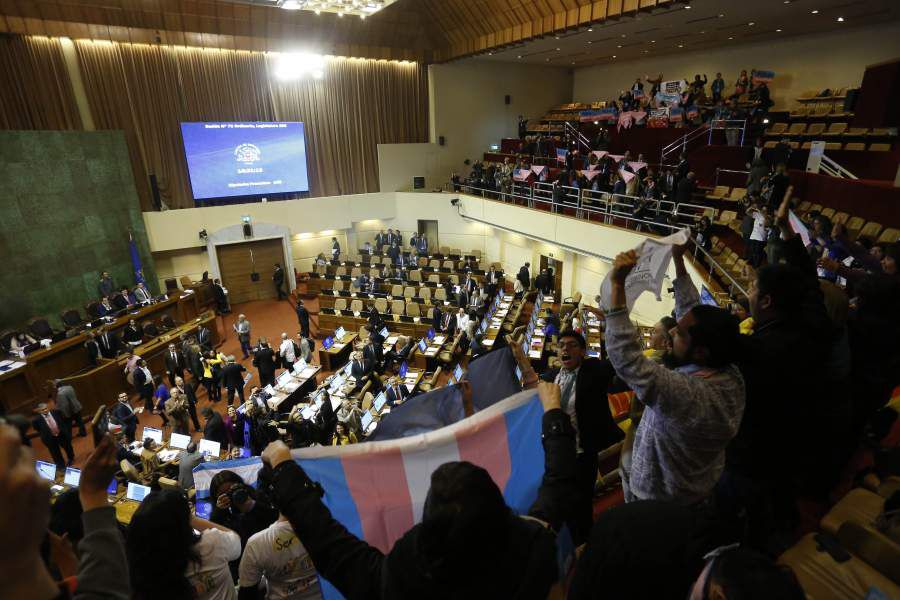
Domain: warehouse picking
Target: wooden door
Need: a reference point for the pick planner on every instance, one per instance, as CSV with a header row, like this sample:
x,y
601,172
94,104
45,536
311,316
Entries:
x,y
238,262
556,266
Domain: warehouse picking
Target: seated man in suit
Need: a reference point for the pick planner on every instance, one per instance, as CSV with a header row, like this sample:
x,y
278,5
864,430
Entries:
x,y
106,308
109,343
56,432
124,299
141,293
396,392
399,353
133,334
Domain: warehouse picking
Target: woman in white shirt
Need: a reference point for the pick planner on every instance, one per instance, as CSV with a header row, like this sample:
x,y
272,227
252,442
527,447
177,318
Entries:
x,y
174,555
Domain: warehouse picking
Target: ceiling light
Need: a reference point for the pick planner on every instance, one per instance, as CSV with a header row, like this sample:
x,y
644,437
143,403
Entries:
x,y
362,16
557,37
590,29
614,55
687,7
619,46
490,53
652,41
557,49
590,42
787,1
815,12
751,24
840,19
777,31
548,60
519,56
730,38
291,5
721,15
573,62
292,66
340,14
681,45
623,35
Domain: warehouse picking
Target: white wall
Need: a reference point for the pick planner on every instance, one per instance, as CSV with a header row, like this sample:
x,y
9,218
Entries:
x,y
802,63
467,102
508,234
399,163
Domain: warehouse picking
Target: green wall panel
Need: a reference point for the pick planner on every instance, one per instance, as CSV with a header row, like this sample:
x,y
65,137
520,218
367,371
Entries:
x,y
67,201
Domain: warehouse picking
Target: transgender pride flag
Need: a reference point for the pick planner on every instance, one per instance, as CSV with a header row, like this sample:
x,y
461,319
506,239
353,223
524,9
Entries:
x,y
377,490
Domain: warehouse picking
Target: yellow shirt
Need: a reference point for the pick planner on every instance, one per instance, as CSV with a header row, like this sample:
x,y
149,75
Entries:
x,y
746,326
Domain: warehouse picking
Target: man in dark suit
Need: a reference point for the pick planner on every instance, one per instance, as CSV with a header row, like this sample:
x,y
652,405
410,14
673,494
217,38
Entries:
x,y
110,346
174,364
422,245
469,284
123,414
376,343
437,316
124,299
189,391
105,287
133,334
56,432
543,282
583,383
204,338
220,296
265,363
380,241
233,379
462,296
393,252
492,278
143,382
106,308
214,428
448,323
684,192
303,318
93,348
524,277
396,391
278,280
362,370
335,249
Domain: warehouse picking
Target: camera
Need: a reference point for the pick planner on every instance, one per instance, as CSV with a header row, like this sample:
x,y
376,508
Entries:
x,y
238,495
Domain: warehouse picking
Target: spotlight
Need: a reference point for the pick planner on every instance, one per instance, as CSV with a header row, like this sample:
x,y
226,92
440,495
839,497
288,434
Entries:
x,y
454,202
203,235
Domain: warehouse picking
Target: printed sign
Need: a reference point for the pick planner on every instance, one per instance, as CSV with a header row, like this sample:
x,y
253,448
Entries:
x,y
760,76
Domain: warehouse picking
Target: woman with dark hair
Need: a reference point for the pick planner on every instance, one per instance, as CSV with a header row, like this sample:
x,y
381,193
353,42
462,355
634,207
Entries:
x,y
168,559
238,506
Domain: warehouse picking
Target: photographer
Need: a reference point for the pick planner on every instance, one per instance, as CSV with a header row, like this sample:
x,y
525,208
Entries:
x,y
239,507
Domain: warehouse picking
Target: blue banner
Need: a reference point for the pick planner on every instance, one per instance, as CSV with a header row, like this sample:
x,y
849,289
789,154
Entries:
x,y
136,260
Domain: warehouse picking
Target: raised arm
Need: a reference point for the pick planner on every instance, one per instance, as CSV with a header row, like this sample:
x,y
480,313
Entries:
x,y
350,564
686,294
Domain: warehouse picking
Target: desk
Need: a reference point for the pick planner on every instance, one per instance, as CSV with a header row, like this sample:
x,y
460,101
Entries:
x,y
338,355
329,322
420,359
68,357
299,386
102,384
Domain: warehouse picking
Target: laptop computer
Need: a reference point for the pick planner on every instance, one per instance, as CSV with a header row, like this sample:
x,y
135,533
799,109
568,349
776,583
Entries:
x,y
137,492
209,448
113,488
203,509
72,477
47,470
422,345
403,369
339,333
153,433
180,441
366,420
379,402
430,333
384,332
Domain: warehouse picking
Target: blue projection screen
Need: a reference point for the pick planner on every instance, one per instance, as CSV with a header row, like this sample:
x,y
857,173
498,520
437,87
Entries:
x,y
245,159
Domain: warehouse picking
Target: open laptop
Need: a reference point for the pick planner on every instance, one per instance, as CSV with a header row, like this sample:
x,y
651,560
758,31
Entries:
x,y
153,433
72,477
430,333
518,375
422,345
179,441
47,470
209,448
339,333
367,422
403,370
137,492
299,366
379,402
384,333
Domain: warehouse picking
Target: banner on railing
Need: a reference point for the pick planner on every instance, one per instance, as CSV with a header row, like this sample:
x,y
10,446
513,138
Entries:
x,y
759,76
522,174
561,155
536,169
637,166
603,114
599,154
659,117
668,99
616,157
676,114
626,176
692,112
628,118
590,175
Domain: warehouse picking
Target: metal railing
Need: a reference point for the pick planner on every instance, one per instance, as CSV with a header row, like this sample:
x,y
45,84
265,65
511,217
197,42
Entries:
x,y
579,138
726,124
681,143
730,171
830,167
632,212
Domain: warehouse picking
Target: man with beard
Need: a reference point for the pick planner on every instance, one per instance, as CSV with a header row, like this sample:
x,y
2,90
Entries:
x,y
693,411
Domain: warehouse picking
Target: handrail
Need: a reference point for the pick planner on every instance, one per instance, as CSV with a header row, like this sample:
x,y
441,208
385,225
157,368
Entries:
x,y
580,138
834,169
728,124
682,142
607,207
721,170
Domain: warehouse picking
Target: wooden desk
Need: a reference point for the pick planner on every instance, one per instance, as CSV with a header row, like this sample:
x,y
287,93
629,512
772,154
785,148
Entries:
x,y
421,360
338,355
102,384
295,390
329,322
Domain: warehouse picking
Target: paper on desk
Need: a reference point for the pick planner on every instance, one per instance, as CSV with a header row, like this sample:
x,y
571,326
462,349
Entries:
x,y
649,272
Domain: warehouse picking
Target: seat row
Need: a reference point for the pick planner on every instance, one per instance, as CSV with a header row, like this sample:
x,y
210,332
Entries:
x,y
397,306
857,227
842,129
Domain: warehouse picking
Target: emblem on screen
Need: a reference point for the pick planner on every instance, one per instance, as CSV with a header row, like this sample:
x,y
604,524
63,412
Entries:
x,y
247,154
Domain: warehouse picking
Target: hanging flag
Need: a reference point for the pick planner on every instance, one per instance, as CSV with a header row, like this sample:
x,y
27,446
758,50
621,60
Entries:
x,y
521,174
135,260
692,112
758,76
590,175
561,155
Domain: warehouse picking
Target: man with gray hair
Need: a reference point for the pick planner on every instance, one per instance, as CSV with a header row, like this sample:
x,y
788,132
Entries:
x,y
187,460
233,378
68,404
286,351
242,328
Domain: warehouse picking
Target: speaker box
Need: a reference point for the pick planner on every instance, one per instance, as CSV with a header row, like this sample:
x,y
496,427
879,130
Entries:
x,y
507,99
440,140
248,230
154,191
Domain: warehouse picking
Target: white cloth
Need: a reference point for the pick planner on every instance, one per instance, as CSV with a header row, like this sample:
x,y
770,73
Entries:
x,y
462,321
277,554
567,381
211,577
287,350
759,227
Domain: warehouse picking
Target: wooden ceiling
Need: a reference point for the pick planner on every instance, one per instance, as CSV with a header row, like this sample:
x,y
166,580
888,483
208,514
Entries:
x,y
421,30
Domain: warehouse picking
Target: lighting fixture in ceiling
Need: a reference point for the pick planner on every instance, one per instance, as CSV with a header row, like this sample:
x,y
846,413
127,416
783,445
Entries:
x,y
360,8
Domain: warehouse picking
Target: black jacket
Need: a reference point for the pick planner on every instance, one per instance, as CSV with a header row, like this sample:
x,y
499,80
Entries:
x,y
392,393
173,365
109,344
278,276
361,368
524,278
436,318
524,566
232,375
63,424
265,362
303,317
214,430
596,428
684,191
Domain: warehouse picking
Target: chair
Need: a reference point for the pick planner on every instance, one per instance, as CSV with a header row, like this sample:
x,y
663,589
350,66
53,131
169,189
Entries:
x,y
799,112
776,129
806,146
857,146
440,294
889,235
366,402
856,132
71,318
340,304
130,471
381,305
840,217
726,217
854,226
815,208
168,322
445,250
454,279
40,329
425,294
338,285
797,129
412,309
879,147
171,285
878,132
858,505
871,230
355,272
363,335
435,264
150,329
92,309
720,192
396,290
423,261
374,260
398,307
415,276
447,356
836,129
738,193
448,264
356,305
434,278
770,145
409,292
427,386
186,282
358,259
373,273
339,271
828,212
815,129
833,146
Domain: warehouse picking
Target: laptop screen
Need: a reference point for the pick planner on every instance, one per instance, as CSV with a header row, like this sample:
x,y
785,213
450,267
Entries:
x,y
209,448
385,333
366,420
328,343
73,476
422,345
113,487
307,413
284,378
336,384
152,433
403,369
379,401
203,509
136,491
518,374
339,333
458,373
47,470
431,333
706,297
180,441
525,347
299,366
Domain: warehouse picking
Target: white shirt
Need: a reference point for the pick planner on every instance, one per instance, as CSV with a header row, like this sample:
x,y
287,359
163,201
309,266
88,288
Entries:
x,y
287,350
461,321
210,576
567,382
759,227
277,554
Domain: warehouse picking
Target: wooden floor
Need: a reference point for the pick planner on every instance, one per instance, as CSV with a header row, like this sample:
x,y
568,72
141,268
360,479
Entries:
x,y
268,318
